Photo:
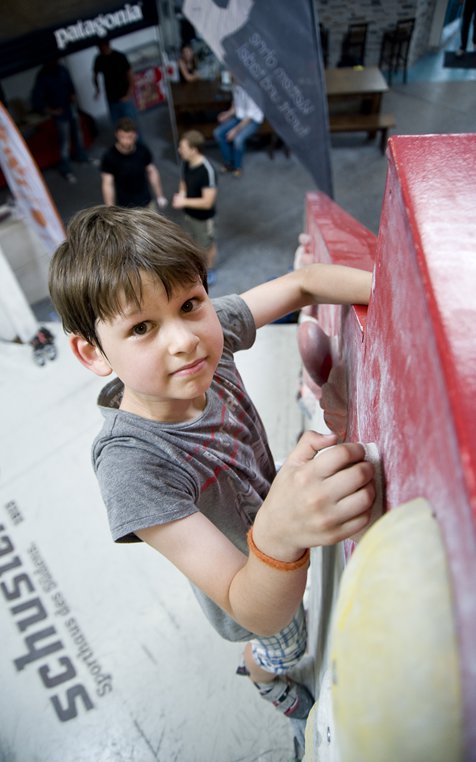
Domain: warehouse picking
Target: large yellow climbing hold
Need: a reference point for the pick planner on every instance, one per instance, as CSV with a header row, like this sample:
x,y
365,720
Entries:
x,y
396,691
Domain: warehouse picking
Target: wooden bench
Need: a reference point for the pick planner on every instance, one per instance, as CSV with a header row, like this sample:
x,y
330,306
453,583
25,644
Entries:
x,y
371,123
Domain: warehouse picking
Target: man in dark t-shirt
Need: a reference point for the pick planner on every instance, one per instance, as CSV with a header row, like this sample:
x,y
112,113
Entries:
x,y
54,95
118,82
129,176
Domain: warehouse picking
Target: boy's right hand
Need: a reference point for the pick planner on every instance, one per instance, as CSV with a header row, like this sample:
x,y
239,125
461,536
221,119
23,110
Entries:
x,y
315,501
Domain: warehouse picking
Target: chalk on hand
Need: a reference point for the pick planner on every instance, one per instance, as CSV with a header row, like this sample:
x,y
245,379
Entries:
x,y
372,456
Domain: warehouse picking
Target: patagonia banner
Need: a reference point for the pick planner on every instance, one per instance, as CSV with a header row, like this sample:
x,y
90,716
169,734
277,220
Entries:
x,y
273,50
30,36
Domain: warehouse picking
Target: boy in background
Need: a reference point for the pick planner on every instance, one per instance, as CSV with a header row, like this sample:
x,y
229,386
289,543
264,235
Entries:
x,y
197,196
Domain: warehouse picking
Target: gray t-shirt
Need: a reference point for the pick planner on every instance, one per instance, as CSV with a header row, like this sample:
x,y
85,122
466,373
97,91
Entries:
x,y
220,463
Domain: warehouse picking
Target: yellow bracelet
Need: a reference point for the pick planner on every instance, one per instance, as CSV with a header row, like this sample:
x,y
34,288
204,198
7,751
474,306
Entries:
x,y
281,565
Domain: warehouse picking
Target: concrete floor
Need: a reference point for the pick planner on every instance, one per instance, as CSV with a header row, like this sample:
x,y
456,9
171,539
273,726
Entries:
x,y
148,679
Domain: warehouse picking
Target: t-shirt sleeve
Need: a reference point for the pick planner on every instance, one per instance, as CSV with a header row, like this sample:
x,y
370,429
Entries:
x,y
209,175
148,158
141,490
239,328
107,164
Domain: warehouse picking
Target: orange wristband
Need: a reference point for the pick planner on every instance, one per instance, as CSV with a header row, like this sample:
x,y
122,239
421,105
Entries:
x,y
269,561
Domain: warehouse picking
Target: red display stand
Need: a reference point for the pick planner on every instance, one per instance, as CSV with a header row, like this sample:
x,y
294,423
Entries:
x,y
149,87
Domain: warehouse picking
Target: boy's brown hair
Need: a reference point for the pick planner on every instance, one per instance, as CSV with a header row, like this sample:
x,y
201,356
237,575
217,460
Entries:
x,y
100,264
195,139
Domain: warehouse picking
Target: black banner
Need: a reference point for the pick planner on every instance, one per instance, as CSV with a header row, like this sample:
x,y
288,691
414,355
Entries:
x,y
54,32
273,49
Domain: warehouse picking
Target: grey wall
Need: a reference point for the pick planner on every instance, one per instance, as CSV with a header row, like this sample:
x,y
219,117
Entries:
x,y
336,15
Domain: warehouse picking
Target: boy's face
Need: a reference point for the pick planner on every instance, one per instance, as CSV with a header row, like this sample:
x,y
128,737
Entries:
x,y
186,152
165,352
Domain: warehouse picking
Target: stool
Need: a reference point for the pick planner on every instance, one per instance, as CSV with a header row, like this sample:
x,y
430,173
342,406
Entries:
x,y
395,47
353,45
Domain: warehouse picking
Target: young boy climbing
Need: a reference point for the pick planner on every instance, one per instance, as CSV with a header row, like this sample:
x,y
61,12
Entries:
x,y
182,458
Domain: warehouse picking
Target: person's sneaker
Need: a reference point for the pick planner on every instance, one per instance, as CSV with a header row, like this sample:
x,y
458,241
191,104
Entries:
x,y
38,347
71,178
237,173
43,344
460,52
291,698
46,335
226,168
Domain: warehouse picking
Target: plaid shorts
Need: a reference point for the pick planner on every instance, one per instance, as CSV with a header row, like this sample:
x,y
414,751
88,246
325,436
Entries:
x,y
201,231
279,653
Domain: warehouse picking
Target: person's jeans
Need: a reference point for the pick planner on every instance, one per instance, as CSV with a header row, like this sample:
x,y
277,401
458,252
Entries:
x,y
232,152
69,134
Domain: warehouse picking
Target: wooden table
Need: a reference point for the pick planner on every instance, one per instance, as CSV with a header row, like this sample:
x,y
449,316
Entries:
x,y
204,98
354,97
207,95
367,84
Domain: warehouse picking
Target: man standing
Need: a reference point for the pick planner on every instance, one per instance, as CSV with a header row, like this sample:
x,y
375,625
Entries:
x,y
118,82
197,196
54,94
128,173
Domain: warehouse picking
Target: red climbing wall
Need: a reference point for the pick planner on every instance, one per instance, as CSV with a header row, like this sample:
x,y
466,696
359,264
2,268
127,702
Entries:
x,y
411,356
